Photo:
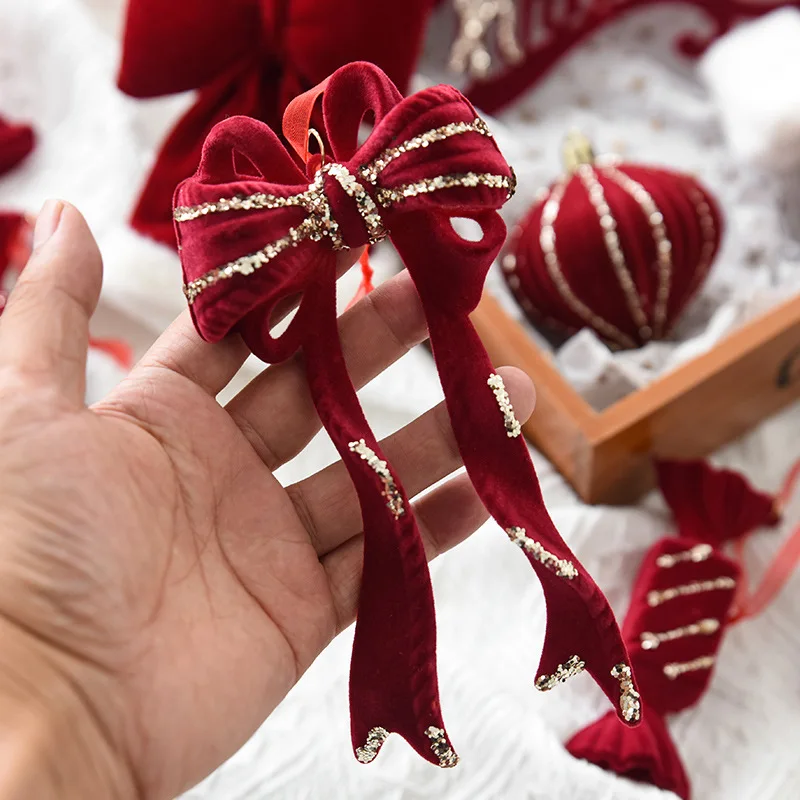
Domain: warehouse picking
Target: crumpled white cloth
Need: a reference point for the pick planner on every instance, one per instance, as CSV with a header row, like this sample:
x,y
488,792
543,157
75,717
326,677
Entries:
x,y
57,65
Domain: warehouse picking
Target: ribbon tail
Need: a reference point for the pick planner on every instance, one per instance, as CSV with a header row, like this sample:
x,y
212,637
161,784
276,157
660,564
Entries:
x,y
393,679
645,753
581,629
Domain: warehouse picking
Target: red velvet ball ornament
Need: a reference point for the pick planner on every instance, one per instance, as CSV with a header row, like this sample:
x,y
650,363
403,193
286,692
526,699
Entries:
x,y
619,248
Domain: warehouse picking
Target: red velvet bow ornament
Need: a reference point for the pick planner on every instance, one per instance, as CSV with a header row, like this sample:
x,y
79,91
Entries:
x,y
16,142
249,243
618,248
248,57
681,605
15,239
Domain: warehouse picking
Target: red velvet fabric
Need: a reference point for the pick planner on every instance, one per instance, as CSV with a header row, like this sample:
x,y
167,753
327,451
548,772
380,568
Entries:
x,y
710,506
15,242
393,672
16,142
585,263
248,57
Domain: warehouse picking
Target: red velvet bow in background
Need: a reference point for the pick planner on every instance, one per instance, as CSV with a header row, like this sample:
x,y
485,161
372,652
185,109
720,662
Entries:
x,y
248,57
16,142
255,230
682,603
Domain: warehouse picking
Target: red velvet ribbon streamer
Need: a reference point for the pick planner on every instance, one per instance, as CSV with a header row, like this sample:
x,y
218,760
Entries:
x,y
393,672
673,642
248,57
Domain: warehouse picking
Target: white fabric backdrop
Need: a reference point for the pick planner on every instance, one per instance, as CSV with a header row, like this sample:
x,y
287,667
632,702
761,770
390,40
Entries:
x,y
57,65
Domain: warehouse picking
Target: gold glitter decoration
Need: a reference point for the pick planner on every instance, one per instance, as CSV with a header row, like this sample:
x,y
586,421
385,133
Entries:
x,y
470,52
662,242
675,670
388,197
375,739
708,230
441,747
547,241
629,703
597,198
394,500
320,221
371,171
700,552
513,428
561,567
657,597
573,666
705,627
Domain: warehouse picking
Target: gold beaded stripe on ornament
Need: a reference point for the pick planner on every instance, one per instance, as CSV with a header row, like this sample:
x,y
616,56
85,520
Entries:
x,y
662,242
597,198
659,596
441,747
700,552
388,197
547,241
513,428
371,171
708,230
675,670
563,672
375,739
705,627
630,705
561,566
394,500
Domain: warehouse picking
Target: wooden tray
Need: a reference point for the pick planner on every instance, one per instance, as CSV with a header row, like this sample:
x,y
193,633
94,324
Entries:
x,y
687,413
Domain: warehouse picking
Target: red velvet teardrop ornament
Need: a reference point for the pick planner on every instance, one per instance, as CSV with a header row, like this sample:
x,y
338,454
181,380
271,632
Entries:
x,y
618,248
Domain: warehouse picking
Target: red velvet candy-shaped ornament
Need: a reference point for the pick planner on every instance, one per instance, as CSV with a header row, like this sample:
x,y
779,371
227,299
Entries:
x,y
248,243
680,608
248,57
617,248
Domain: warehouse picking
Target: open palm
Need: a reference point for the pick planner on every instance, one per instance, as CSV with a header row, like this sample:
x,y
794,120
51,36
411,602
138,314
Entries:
x,y
156,574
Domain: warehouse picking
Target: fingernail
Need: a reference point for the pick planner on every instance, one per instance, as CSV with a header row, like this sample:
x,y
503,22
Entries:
x,y
47,222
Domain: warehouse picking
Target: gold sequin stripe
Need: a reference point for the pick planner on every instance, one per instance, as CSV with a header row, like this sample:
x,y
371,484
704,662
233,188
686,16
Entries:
x,y
657,597
371,171
675,670
563,672
597,198
630,704
547,241
388,197
705,627
708,230
250,202
700,552
394,500
662,242
441,747
375,739
246,265
561,566
512,426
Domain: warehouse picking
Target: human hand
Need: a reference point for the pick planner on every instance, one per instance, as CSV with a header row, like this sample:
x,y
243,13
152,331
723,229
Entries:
x,y
160,591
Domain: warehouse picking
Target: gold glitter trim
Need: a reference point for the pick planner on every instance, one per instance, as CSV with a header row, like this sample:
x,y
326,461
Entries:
x,y
388,197
371,171
662,242
561,566
394,500
676,669
251,202
441,747
657,597
513,427
573,666
629,703
375,739
364,203
597,198
547,241
470,50
705,627
708,230
700,552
